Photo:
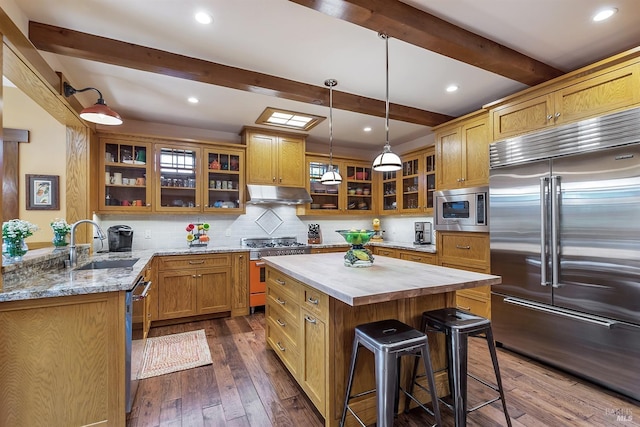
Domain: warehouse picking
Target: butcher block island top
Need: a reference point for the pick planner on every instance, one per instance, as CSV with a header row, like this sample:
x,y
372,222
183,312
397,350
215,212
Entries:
x,y
387,279
314,302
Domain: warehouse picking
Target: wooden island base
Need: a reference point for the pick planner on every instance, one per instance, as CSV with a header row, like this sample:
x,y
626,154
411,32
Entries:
x,y
314,304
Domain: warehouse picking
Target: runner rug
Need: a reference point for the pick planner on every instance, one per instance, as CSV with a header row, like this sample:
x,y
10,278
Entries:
x,y
176,352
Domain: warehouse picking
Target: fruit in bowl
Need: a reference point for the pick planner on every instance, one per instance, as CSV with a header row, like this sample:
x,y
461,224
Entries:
x,y
357,237
357,255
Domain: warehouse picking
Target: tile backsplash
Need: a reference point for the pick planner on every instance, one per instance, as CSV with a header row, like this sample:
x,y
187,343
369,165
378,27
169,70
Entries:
x,y
168,231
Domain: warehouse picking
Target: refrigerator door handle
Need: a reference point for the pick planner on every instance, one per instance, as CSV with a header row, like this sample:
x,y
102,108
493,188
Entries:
x,y
555,230
544,185
595,320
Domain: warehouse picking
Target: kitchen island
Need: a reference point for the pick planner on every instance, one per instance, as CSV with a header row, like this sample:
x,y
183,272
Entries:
x,y
314,303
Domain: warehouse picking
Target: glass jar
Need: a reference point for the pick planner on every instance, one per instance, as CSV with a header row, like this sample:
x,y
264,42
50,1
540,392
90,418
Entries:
x,y
60,240
14,250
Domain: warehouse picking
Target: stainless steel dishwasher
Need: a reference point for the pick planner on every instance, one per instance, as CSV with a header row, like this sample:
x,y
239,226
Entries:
x,y
135,335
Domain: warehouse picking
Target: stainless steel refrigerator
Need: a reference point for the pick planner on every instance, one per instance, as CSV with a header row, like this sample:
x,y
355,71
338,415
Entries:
x,y
565,237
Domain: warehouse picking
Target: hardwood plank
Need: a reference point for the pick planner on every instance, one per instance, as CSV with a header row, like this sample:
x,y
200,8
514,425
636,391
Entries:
x,y
248,386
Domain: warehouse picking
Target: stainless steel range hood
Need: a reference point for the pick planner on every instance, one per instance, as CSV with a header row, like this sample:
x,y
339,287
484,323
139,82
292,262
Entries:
x,y
274,195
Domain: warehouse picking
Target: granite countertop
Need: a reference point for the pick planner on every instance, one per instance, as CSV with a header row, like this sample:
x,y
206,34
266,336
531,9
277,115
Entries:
x,y
388,278
60,281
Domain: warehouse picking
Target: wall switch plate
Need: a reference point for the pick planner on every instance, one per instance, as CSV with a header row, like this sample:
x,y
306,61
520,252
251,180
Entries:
x,y
147,234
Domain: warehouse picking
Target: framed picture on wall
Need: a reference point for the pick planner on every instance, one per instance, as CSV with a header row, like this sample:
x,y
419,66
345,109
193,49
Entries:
x,y
42,192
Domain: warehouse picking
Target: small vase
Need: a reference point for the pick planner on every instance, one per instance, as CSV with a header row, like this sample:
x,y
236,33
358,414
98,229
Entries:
x,y
14,250
59,240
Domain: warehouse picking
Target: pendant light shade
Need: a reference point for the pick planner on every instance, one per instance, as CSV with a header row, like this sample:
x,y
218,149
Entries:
x,y
331,176
387,161
99,112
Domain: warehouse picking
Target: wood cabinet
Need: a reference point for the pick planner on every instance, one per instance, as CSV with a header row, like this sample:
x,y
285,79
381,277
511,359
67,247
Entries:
x,y
582,94
406,254
462,152
296,329
468,251
378,250
125,166
63,361
409,190
275,158
174,177
354,196
327,250
193,285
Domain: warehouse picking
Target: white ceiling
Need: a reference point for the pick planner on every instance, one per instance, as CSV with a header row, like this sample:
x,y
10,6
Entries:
x,y
284,39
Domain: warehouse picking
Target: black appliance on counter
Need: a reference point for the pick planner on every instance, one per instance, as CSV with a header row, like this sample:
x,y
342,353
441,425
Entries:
x,y
120,238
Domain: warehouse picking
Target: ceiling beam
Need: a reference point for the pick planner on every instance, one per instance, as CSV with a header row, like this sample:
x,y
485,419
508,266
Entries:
x,y
404,22
95,48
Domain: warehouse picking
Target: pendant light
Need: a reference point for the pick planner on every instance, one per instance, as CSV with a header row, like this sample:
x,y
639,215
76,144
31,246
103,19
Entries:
x,y
99,112
387,161
331,177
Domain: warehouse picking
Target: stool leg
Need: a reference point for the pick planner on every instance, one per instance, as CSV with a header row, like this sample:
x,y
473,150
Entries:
x,y
458,370
352,370
496,369
428,368
386,384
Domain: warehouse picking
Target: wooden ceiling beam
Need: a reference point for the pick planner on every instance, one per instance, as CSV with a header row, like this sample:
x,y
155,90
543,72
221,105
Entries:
x,y
95,48
404,22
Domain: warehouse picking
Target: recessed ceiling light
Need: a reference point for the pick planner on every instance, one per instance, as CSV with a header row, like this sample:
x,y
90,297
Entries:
x,y
193,100
367,129
452,88
203,18
604,14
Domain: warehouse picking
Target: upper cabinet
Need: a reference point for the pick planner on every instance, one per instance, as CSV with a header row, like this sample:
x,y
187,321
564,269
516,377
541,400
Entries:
x,y
462,152
155,175
275,158
417,182
353,196
125,170
583,94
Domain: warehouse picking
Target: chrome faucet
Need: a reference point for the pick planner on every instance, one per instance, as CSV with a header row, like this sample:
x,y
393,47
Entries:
x,y
73,256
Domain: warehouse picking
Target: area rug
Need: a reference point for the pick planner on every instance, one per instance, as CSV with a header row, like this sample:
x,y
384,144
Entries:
x,y
176,352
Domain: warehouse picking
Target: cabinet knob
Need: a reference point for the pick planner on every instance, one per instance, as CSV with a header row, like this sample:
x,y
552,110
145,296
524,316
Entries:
x,y
309,319
193,275
557,115
280,322
549,117
313,300
273,179
279,301
280,347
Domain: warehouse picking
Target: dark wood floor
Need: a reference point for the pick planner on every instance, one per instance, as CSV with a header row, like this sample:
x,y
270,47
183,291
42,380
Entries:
x,y
247,386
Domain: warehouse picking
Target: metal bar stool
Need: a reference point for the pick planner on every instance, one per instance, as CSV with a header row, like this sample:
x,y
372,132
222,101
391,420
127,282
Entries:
x,y
388,340
458,325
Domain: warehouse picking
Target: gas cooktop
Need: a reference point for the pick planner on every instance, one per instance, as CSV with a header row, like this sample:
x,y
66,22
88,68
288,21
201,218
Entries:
x,y
272,246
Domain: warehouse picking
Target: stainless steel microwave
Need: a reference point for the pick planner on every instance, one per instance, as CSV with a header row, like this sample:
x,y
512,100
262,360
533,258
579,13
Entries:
x,y
463,209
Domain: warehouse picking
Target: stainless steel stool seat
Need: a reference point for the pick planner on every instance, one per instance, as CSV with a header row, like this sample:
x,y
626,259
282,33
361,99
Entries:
x,y
389,340
458,325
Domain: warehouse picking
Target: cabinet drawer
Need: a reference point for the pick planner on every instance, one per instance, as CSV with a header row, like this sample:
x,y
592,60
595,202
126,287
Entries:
x,y
284,283
286,350
418,257
475,306
385,252
481,293
467,246
283,320
189,261
284,301
315,302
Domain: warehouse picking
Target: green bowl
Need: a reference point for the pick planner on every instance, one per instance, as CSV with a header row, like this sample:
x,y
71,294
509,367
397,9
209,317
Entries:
x,y
357,237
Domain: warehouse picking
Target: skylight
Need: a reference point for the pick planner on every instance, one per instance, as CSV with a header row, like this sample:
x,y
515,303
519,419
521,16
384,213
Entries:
x,y
288,119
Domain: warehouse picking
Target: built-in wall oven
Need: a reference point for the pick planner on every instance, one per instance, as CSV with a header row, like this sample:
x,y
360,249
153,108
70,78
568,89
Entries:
x,y
462,209
270,246
136,329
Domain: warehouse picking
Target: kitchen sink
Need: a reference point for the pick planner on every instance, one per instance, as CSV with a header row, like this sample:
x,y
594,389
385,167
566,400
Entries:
x,y
110,263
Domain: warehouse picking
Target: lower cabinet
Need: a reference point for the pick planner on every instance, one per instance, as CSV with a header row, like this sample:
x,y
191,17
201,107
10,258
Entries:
x,y
193,285
471,252
296,329
406,254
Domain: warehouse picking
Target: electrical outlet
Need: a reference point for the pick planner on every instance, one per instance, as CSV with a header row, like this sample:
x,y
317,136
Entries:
x,y
227,232
147,234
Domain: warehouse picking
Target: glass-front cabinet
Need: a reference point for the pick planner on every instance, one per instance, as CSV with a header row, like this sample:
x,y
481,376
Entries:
x,y
353,196
388,190
224,180
126,168
177,183
429,179
410,184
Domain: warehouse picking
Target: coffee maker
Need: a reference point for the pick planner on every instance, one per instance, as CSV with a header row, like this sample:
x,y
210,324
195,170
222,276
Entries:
x,y
422,233
120,238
